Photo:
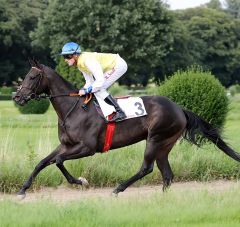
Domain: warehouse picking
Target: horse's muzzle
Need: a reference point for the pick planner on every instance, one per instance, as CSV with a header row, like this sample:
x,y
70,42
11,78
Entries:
x,y
20,100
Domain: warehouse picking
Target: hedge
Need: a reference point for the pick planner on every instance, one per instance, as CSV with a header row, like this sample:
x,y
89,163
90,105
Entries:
x,y
199,92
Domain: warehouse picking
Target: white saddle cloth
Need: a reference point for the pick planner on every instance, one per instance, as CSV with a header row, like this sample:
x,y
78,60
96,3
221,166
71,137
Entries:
x,y
132,106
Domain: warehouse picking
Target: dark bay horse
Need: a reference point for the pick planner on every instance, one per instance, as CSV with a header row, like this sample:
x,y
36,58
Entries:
x,y
81,133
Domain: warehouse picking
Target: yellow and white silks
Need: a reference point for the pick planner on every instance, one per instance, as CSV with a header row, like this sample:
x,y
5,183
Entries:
x,y
100,71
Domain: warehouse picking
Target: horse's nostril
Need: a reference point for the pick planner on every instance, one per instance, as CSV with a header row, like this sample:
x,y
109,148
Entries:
x,y
16,98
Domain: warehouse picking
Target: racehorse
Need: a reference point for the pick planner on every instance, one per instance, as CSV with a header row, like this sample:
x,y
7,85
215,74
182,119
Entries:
x,y
82,132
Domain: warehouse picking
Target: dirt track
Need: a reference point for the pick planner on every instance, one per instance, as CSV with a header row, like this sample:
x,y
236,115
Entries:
x,y
64,194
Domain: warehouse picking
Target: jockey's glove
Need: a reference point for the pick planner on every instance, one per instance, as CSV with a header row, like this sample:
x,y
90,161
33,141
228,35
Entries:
x,y
87,90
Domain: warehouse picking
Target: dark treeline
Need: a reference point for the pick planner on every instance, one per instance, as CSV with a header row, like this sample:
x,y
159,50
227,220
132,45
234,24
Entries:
x,y
154,40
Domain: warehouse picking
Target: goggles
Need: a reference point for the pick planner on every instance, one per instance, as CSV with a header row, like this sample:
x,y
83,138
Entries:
x,y
68,56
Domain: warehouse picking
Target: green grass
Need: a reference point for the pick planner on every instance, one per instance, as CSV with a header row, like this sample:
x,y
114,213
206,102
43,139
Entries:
x,y
174,208
26,139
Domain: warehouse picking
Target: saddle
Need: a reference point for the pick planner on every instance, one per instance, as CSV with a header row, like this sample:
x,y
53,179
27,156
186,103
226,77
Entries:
x,y
132,106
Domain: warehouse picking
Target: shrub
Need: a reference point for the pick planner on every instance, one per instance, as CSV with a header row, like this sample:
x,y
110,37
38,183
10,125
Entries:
x,y
5,97
117,90
199,92
72,74
6,90
34,107
234,89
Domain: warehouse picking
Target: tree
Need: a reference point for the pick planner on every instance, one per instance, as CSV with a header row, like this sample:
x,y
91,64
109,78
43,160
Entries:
x,y
17,19
233,7
214,4
140,31
70,73
216,36
181,54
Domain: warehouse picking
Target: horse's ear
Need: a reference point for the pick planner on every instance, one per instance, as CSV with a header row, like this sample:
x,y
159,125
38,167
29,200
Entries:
x,y
37,64
34,63
31,62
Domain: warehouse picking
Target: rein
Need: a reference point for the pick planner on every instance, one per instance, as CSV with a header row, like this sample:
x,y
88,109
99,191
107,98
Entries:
x,y
88,97
35,96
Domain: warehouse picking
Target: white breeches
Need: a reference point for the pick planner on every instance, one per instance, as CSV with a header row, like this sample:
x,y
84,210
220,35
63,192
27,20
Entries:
x,y
111,76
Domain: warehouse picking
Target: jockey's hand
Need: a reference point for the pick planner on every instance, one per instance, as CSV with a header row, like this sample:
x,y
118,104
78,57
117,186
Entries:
x,y
85,91
82,92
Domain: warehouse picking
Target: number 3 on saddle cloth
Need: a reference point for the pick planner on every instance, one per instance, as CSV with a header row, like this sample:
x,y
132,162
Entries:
x,y
132,106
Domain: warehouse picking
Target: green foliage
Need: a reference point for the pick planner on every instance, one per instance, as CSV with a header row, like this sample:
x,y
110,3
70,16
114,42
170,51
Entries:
x,y
6,90
140,31
234,89
117,90
5,97
34,107
233,7
17,19
214,4
6,93
181,54
216,36
199,92
72,74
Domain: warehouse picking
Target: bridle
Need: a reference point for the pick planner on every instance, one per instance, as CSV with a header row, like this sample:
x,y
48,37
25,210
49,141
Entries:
x,y
34,94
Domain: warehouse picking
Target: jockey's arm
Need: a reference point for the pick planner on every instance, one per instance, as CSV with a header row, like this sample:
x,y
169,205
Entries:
x,y
89,80
96,70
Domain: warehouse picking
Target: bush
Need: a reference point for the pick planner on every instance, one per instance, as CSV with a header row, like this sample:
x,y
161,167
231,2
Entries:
x,y
72,74
199,92
6,90
234,89
34,107
5,97
117,90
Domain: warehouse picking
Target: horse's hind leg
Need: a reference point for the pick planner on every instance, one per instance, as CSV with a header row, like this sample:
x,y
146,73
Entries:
x,y
164,166
166,171
146,168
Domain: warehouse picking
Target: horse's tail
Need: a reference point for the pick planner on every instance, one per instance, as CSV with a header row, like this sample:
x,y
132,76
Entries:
x,y
197,128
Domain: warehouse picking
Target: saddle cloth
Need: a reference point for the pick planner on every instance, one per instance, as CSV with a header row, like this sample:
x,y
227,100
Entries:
x,y
132,106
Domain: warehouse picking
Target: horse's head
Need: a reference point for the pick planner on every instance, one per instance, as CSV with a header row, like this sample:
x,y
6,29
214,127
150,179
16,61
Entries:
x,y
34,83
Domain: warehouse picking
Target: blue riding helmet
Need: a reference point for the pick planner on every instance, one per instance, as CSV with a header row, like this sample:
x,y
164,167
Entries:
x,y
71,48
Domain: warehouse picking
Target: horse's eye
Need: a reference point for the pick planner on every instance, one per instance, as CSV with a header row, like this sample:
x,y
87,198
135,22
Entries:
x,y
33,77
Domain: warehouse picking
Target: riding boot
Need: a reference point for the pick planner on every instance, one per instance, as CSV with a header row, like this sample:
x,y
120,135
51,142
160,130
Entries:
x,y
120,115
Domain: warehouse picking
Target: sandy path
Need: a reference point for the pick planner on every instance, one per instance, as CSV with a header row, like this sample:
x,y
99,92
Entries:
x,y
65,194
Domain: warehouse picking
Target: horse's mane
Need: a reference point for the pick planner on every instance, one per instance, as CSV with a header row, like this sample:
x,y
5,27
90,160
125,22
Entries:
x,y
67,83
35,63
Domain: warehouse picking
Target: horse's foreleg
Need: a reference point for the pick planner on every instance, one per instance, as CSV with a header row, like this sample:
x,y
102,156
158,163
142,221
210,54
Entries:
x,y
78,151
50,159
68,176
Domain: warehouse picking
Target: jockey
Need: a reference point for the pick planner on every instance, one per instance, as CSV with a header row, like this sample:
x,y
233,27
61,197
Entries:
x,y
100,71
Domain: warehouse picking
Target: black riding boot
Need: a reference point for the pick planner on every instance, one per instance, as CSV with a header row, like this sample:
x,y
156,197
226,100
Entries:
x,y
120,115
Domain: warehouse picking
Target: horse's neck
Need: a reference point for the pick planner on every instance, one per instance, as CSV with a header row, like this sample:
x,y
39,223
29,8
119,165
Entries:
x,y
61,104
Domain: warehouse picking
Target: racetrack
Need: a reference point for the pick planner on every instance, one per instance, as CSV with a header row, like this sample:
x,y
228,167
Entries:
x,y
66,194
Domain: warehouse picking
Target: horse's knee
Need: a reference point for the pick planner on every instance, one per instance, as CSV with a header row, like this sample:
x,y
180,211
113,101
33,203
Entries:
x,y
59,160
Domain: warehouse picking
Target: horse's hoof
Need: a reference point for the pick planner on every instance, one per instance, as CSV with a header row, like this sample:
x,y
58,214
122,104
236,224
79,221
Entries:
x,y
21,196
84,182
114,194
